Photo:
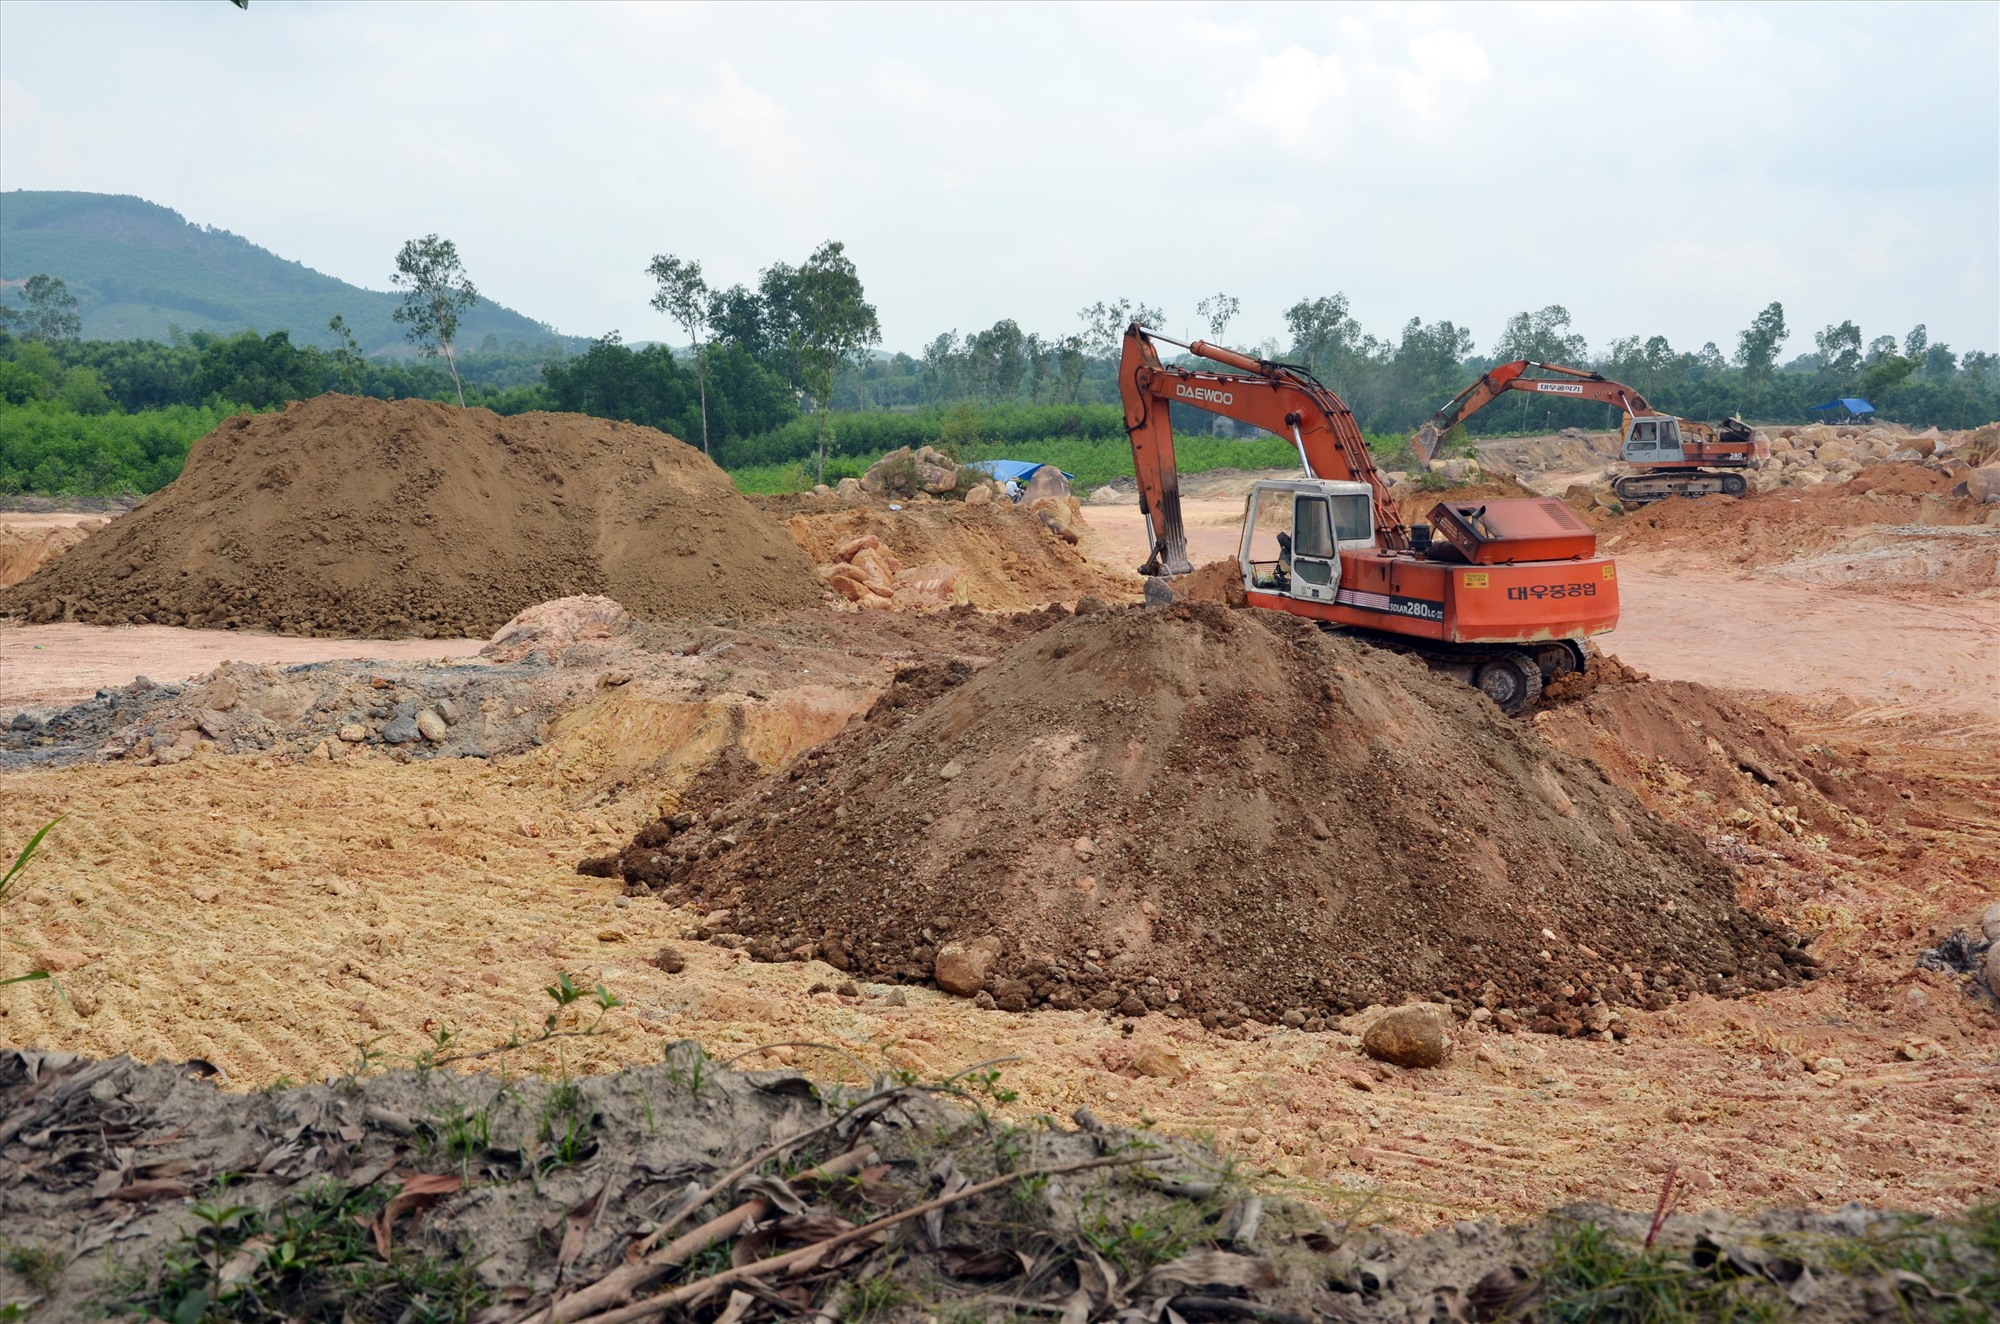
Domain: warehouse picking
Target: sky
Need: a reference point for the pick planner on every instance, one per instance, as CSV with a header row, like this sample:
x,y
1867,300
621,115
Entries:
x,y
1654,168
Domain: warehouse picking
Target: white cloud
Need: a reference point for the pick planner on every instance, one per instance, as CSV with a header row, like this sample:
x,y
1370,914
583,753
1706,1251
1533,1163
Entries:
x,y
749,123
1660,168
1447,70
1294,98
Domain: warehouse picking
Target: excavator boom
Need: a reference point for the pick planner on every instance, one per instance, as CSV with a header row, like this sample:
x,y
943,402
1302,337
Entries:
x,y
1279,398
1562,383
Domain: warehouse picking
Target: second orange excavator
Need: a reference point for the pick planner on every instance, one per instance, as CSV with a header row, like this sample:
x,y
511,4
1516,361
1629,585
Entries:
x,y
1504,595
1672,456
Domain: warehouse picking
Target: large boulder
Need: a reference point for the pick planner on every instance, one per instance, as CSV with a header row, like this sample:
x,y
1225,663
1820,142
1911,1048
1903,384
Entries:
x,y
1047,481
906,473
1983,484
551,625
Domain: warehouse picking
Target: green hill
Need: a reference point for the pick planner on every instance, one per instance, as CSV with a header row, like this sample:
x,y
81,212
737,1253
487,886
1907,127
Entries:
x,y
136,266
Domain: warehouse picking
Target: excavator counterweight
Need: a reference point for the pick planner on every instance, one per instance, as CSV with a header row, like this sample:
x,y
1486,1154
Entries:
x,y
1504,598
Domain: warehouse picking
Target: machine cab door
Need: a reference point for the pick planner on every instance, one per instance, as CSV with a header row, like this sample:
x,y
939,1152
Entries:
x,y
1315,570
1653,441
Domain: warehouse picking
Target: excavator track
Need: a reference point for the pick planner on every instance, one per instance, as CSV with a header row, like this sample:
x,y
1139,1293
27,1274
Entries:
x,y
1638,489
1512,677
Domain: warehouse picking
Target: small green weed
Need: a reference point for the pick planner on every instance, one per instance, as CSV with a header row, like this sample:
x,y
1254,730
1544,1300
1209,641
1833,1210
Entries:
x,y
566,1119
40,1265
314,1261
1137,1244
874,1298
687,1064
1594,1277
11,878
366,1056
464,1133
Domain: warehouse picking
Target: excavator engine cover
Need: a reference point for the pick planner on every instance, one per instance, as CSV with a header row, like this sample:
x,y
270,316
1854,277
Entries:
x,y
1497,532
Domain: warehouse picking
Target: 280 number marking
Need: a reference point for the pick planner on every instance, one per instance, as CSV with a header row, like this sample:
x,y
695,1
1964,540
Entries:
x,y
1541,591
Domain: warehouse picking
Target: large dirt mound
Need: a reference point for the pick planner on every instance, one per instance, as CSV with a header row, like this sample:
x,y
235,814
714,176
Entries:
x,y
343,516
1216,813
1005,557
1779,525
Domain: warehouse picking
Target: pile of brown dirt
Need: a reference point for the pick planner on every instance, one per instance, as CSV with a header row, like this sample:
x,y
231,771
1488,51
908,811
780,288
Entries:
x,y
1782,525
1222,814
1416,500
1007,558
1218,581
343,516
1893,528
1698,755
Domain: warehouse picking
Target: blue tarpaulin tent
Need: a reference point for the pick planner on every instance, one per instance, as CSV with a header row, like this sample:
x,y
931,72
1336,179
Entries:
x,y
1852,404
1018,470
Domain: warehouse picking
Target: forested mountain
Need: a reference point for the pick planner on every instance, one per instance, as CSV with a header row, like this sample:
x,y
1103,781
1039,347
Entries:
x,y
138,268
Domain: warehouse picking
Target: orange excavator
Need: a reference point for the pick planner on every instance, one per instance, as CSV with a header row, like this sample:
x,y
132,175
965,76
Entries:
x,y
1501,594
1674,456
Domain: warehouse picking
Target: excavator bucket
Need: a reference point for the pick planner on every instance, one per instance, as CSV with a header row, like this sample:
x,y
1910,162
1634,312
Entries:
x,y
1496,532
1424,441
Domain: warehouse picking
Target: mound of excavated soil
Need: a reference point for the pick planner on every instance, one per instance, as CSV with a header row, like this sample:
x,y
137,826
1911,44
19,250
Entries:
x,y
1773,526
1007,557
343,516
1695,753
1217,813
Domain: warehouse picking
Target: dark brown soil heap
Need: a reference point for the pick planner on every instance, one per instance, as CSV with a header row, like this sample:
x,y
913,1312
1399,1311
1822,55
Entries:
x,y
351,517
1223,814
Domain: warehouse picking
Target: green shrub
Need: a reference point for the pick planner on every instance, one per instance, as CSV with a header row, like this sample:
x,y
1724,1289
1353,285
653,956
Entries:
x,y
47,448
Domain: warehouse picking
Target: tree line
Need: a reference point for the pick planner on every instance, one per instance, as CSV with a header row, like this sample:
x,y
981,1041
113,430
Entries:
x,y
789,369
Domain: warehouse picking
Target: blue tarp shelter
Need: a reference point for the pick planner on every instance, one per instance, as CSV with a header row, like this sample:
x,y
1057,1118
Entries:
x,y
1853,404
1018,470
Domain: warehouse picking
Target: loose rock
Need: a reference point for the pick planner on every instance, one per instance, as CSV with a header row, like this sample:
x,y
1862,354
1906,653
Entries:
x,y
961,969
1407,1037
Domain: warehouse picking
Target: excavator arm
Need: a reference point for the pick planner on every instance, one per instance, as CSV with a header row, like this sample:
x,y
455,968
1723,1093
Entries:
x,y
1562,383
1279,398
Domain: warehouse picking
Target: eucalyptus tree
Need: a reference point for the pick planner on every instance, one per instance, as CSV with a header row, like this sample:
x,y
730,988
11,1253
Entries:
x,y
436,291
683,295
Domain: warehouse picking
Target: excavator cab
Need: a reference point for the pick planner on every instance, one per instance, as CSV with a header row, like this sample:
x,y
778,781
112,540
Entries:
x,y
1654,439
1294,531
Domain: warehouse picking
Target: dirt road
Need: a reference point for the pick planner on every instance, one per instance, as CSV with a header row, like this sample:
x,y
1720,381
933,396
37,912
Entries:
x,y
1683,620
62,664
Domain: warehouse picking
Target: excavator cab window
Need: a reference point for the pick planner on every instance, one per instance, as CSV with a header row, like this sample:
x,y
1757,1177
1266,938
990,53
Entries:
x,y
1312,528
1353,518
1312,547
1645,436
